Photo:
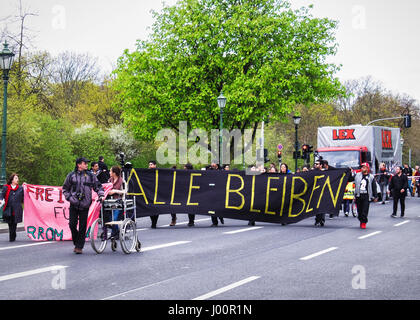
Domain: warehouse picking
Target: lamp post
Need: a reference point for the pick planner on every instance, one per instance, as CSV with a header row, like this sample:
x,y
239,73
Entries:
x,y
221,101
6,60
296,121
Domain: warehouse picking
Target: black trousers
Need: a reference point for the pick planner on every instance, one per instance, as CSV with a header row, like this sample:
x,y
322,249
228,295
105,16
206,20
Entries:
x,y
12,228
396,198
320,218
191,218
78,217
154,219
362,203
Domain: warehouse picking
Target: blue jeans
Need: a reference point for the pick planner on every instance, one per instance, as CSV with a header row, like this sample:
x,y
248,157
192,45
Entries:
x,y
115,217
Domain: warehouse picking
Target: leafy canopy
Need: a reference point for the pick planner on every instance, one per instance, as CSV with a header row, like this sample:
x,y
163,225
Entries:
x,y
265,56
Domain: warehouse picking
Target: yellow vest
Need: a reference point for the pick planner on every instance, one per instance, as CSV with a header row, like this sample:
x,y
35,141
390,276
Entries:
x,y
349,192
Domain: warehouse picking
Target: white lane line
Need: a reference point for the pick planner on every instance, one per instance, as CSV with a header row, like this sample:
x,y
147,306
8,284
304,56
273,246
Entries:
x,y
227,288
401,223
27,245
369,235
165,245
185,222
316,254
242,230
30,272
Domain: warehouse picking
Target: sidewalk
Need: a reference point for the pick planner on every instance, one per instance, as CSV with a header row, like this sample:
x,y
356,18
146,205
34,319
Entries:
x,y
4,227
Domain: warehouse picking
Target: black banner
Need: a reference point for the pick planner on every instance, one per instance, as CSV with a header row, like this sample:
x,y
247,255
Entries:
x,y
267,197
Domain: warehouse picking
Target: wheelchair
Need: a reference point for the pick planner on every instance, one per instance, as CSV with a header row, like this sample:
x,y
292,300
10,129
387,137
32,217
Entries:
x,y
101,229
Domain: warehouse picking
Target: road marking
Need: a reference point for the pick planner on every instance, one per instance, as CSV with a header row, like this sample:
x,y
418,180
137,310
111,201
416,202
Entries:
x,y
185,222
319,253
227,288
401,223
242,230
26,245
165,245
30,272
369,235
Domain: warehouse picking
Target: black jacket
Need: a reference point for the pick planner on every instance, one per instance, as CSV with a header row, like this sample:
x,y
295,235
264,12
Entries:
x,y
77,189
397,183
14,204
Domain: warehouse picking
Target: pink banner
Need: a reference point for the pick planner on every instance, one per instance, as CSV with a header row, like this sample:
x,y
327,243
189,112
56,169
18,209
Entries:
x,y
46,212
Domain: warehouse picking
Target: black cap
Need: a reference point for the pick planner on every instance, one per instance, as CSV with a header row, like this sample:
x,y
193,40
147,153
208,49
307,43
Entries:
x,y
82,159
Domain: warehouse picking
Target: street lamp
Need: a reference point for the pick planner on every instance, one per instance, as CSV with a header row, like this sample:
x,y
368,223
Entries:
x,y
296,121
221,101
6,60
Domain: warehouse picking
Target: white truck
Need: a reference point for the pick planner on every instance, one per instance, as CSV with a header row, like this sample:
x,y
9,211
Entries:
x,y
350,146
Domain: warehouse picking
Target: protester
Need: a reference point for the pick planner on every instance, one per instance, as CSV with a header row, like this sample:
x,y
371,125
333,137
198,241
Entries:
x,y
322,165
305,168
417,180
398,188
383,181
173,215
117,192
103,175
94,168
11,198
365,191
348,197
284,169
408,172
77,189
214,223
153,218
191,217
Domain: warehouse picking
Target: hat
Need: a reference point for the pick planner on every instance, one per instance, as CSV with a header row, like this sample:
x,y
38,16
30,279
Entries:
x,y
365,164
82,159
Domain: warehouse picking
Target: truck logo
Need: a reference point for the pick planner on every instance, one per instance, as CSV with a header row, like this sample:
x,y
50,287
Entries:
x,y
343,134
386,139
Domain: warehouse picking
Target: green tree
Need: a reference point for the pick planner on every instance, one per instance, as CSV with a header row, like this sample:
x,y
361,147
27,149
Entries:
x,y
265,56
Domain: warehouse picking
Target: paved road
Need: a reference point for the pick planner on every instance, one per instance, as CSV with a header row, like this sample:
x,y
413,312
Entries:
x,y
230,262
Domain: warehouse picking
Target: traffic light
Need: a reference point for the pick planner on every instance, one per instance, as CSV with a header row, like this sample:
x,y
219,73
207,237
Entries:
x,y
306,152
296,155
407,121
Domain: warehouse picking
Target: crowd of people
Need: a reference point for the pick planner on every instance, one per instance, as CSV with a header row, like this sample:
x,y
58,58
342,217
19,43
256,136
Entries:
x,y
363,187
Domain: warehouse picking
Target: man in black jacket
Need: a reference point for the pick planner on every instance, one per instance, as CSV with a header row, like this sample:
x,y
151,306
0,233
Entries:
x,y
398,187
77,189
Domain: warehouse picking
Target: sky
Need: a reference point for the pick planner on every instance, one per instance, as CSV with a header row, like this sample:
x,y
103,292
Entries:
x,y
378,38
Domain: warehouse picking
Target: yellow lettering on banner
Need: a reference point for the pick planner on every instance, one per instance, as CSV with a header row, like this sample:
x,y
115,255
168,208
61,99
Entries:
x,y
156,189
297,196
253,196
334,198
267,196
192,187
173,192
283,196
228,190
308,209
140,186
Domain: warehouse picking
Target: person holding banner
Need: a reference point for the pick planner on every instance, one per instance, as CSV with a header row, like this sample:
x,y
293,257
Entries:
x,y
365,191
11,198
77,189
154,218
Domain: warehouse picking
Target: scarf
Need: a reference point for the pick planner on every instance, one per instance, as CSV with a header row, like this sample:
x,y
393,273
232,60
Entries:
x,y
6,197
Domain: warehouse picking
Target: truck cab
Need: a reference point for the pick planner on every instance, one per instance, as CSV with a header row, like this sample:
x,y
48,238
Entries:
x,y
350,146
346,157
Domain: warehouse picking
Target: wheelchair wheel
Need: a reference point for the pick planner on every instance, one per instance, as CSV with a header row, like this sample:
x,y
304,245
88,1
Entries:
x,y
354,209
128,236
99,236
